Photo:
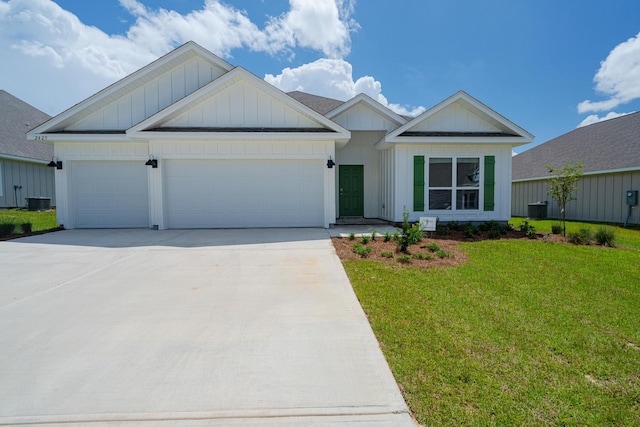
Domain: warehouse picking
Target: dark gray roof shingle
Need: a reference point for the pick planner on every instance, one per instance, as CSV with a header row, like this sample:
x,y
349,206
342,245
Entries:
x,y
16,119
607,145
319,104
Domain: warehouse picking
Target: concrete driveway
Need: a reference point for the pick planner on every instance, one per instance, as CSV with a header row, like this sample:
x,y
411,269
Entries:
x,y
187,327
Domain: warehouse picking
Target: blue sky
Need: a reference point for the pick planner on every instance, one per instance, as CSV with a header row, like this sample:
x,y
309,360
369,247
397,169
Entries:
x,y
548,66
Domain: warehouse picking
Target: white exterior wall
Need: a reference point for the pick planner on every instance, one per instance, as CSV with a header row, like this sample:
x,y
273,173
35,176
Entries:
x,y
455,117
151,97
403,165
600,198
387,185
361,117
242,104
36,180
360,151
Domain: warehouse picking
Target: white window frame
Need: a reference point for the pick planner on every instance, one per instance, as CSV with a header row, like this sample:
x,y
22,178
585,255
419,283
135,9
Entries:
x,y
454,188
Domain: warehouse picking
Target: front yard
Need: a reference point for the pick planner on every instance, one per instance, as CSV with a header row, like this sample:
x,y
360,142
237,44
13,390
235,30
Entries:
x,y
524,332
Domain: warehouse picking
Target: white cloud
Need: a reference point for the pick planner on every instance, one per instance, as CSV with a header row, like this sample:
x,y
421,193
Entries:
x,y
618,77
333,78
594,118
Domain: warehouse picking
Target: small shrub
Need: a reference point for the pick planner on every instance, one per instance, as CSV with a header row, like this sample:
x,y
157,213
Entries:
x,y
374,233
433,247
364,239
444,230
605,236
405,259
7,229
494,233
386,254
443,254
580,237
423,255
386,236
410,236
529,230
470,230
363,251
352,236
454,226
556,228
396,236
26,227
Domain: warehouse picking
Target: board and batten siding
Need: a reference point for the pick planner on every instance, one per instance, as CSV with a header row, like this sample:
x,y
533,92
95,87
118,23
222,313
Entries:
x,y
387,184
36,180
151,97
404,184
600,198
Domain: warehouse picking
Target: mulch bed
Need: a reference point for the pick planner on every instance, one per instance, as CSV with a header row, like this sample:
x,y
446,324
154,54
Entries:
x,y
448,242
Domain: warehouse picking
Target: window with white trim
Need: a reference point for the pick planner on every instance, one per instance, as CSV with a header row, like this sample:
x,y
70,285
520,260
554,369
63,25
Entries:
x,y
454,183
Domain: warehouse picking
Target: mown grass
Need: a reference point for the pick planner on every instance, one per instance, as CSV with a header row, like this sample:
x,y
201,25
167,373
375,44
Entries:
x,y
40,221
524,333
629,237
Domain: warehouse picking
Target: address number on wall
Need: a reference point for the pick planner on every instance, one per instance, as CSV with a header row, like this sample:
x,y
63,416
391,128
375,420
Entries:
x,y
40,138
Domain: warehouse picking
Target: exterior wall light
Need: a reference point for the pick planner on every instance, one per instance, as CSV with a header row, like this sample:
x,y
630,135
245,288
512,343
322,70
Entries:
x,y
330,163
55,163
152,162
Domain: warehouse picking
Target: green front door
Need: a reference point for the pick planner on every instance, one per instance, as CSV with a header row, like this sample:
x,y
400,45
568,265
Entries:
x,y
351,190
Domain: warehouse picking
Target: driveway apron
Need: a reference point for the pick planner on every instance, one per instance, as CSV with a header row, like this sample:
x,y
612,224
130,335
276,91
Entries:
x,y
187,327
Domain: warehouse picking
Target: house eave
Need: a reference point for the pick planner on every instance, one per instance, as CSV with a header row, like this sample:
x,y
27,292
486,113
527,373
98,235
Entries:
x,y
23,159
238,136
384,143
598,172
78,137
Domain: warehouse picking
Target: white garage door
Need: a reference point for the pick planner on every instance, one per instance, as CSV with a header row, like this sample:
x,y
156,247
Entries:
x,y
244,193
110,194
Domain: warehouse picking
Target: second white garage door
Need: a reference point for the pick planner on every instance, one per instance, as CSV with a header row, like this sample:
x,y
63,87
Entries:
x,y
244,193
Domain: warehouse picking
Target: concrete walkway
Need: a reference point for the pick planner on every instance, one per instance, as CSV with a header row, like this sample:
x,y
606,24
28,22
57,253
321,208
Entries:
x,y
187,327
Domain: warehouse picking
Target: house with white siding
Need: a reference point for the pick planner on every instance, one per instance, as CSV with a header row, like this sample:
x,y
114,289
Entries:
x,y
190,141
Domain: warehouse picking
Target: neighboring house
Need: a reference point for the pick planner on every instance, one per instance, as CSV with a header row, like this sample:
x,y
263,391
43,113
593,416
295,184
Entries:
x,y
23,163
189,141
610,153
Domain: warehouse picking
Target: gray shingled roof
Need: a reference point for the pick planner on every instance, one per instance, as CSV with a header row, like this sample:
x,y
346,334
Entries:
x,y
607,145
16,119
319,104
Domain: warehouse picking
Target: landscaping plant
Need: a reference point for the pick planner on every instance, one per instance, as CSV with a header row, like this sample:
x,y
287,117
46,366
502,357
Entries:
x,y
561,186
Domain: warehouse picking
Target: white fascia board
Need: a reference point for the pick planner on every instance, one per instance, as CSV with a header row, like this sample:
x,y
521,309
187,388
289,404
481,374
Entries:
x,y
234,136
602,172
365,99
79,137
221,82
120,84
24,159
384,144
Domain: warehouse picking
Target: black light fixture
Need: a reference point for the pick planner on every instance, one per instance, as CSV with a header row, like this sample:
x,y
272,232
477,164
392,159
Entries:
x,y
330,163
152,162
55,163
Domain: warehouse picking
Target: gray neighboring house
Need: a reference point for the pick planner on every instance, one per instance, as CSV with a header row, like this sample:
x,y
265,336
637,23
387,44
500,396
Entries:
x,y
23,163
610,153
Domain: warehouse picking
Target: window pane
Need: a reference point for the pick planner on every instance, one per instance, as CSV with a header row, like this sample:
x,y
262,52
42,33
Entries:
x,y
440,172
439,199
468,172
467,199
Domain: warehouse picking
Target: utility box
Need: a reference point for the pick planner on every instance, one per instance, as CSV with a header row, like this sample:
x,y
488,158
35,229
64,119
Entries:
x,y
38,203
537,210
632,197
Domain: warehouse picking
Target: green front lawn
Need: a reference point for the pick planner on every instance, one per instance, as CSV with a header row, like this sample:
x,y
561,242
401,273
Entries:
x,y
524,333
40,221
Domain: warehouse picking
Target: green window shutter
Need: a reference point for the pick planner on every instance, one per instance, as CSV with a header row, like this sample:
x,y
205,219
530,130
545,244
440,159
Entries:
x,y
418,183
489,182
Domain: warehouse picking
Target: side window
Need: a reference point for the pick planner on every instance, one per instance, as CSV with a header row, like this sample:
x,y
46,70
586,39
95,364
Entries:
x,y
454,183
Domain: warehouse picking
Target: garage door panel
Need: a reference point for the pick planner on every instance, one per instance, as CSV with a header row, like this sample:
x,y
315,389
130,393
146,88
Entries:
x,y
244,193
110,194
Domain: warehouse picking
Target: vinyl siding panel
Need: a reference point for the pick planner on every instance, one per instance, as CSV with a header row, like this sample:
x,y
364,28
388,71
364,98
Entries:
x,y
36,180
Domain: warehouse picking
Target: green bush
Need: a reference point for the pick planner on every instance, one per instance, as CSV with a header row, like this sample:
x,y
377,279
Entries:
x,y
386,254
363,251
7,229
556,228
433,247
444,230
364,239
529,230
405,259
470,230
386,236
374,233
443,254
352,236
26,227
423,255
605,236
454,225
580,237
